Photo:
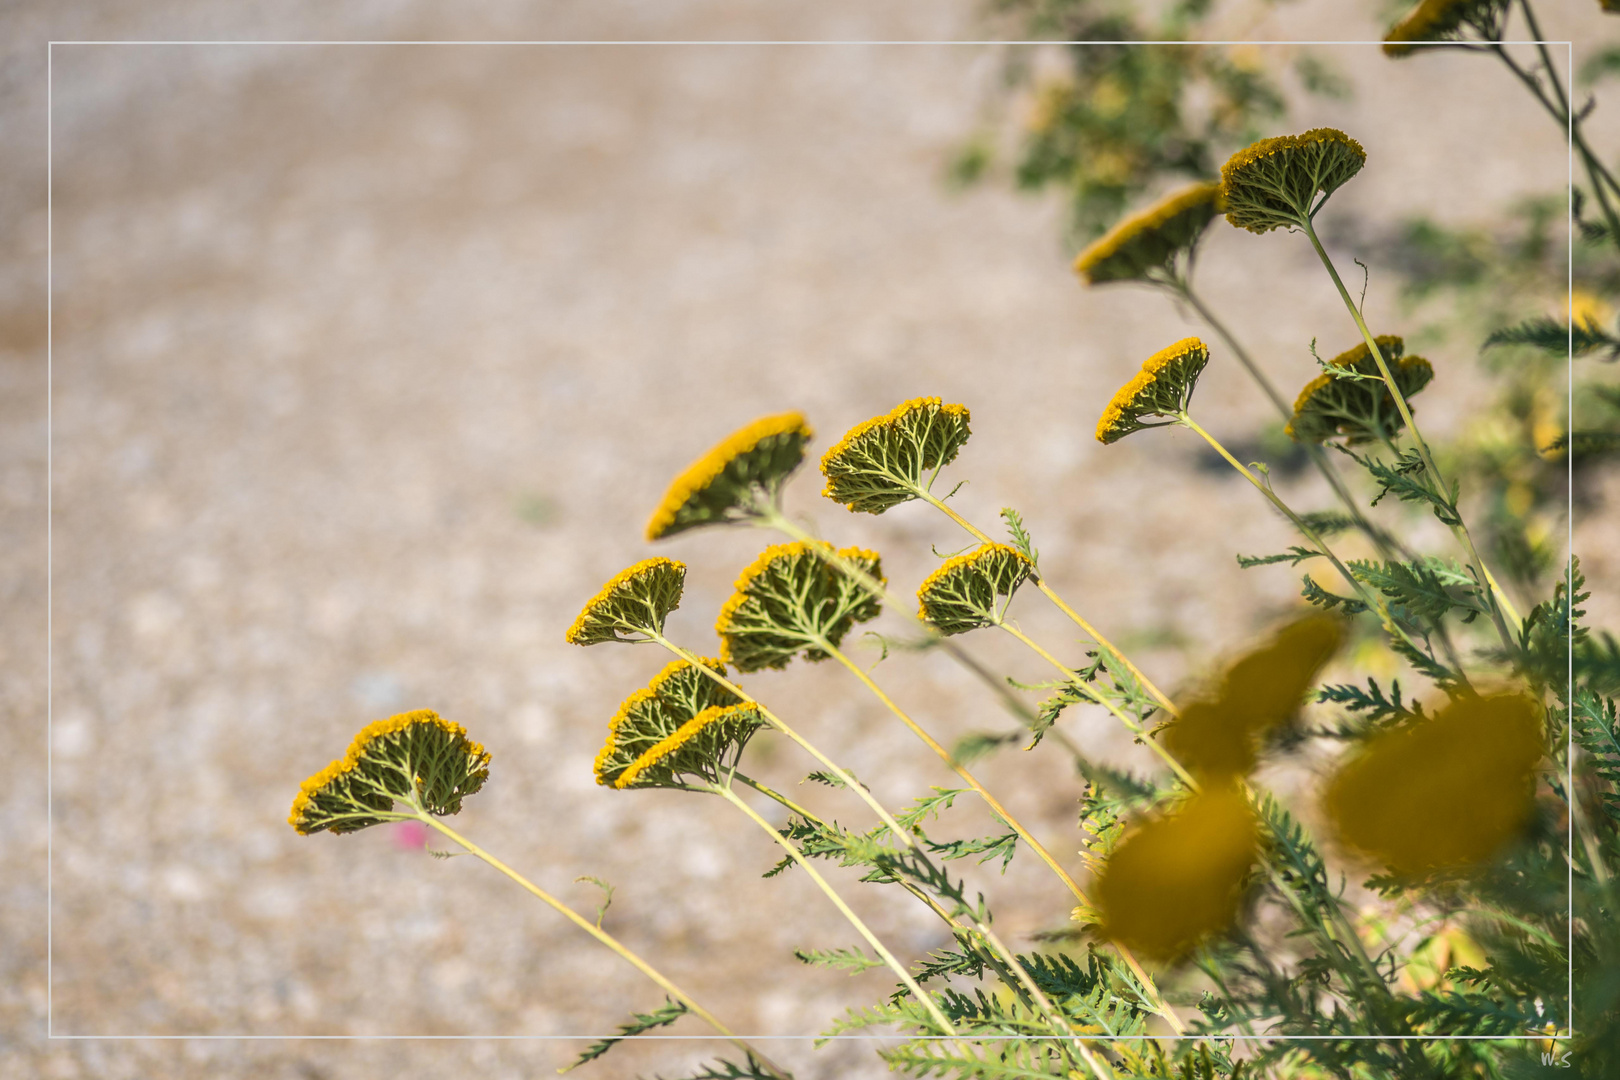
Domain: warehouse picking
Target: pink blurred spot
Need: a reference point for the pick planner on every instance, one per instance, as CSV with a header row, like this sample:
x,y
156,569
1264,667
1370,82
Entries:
x,y
410,835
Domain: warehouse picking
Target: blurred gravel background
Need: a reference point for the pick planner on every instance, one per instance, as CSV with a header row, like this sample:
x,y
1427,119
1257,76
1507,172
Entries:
x,y
370,363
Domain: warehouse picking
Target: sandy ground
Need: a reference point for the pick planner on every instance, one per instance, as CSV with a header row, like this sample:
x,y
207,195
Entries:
x,y
370,363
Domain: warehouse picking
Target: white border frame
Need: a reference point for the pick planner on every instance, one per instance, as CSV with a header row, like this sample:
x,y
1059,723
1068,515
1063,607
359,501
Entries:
x,y
1569,779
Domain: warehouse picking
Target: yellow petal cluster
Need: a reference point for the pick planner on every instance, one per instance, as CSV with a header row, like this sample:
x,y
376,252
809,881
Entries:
x,y
1150,236
1273,183
1160,387
588,625
712,466
1429,21
372,732
679,738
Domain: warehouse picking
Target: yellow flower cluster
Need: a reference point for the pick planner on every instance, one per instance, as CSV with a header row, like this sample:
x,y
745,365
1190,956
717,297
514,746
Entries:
x,y
331,777
1272,183
1332,405
961,593
650,714
1429,21
879,463
649,581
681,736
790,598
753,453
1149,237
1161,388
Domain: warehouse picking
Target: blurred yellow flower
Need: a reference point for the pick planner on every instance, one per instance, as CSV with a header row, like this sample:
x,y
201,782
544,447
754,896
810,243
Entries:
x,y
1443,792
1217,736
1178,879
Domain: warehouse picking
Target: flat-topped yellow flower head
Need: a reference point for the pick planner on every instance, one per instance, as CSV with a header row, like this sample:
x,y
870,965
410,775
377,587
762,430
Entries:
x,y
972,590
655,712
701,748
890,459
1357,405
1150,239
634,601
416,755
728,482
1178,880
1443,792
795,600
1435,21
1217,735
1274,183
1164,387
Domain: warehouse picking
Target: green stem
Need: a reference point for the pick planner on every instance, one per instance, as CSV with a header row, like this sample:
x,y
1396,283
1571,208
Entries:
x,y
780,725
1370,598
1008,965
1160,1005
606,939
1496,599
898,968
1595,170
1183,288
1119,714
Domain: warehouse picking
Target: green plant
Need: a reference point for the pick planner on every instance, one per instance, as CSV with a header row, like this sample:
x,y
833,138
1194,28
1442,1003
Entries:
x,y
1458,809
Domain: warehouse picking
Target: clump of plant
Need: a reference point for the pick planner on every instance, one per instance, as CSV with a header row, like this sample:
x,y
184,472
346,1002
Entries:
x,y
1211,934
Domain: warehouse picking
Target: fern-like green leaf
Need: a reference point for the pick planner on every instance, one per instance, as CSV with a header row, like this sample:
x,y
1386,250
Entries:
x,y
638,1024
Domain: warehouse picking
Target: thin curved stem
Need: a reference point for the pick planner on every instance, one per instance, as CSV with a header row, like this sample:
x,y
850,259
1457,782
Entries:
x,y
882,950
1119,714
773,518
1183,289
1008,965
609,940
780,725
1370,597
1160,1005
1565,114
1498,601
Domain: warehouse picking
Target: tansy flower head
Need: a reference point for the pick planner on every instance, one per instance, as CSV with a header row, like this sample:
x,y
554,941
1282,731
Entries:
x,y
1163,387
1442,20
1443,792
1217,735
1357,405
1149,240
702,747
655,712
636,600
1177,880
881,462
972,589
413,755
1274,183
794,600
728,481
